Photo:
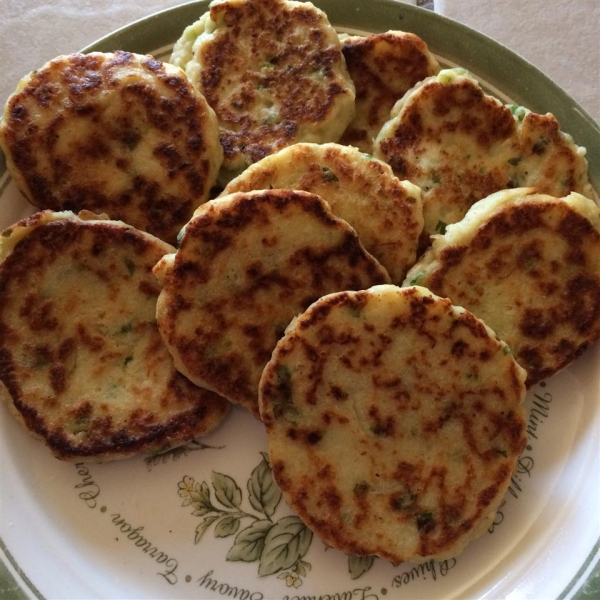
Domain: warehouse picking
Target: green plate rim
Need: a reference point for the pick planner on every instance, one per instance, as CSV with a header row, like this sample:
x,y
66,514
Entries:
x,y
465,46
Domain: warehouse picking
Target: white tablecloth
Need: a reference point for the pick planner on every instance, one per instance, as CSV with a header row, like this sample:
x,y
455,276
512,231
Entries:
x,y
559,36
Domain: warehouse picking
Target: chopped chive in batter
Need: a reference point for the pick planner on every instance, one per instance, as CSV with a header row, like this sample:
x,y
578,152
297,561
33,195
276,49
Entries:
x,y
417,278
279,329
406,500
355,311
518,111
130,265
80,425
127,328
40,362
282,400
283,374
425,521
540,145
361,488
329,175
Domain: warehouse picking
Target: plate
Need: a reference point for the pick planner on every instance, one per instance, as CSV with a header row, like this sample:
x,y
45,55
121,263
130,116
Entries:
x,y
206,521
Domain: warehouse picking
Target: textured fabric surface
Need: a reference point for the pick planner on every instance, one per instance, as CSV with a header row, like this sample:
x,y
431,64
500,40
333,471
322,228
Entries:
x,y
33,32
557,36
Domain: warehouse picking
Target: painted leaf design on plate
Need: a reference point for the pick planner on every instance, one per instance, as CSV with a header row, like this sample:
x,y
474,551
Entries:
x,y
302,568
286,542
359,565
163,456
203,526
263,493
277,546
227,526
200,499
226,490
250,542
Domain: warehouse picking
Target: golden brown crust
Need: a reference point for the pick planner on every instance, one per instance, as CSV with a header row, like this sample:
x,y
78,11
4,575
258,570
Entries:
x,y
274,73
385,212
117,133
531,271
383,67
394,421
81,358
248,263
449,187
461,145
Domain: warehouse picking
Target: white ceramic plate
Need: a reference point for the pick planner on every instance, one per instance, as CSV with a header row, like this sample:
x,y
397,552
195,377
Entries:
x,y
206,521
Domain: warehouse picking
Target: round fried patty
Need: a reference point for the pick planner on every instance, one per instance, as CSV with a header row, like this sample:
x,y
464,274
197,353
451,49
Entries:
x,y
459,145
394,422
274,72
385,212
383,67
82,364
529,266
118,133
247,264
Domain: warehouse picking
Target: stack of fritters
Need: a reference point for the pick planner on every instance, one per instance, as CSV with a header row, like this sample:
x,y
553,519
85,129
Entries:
x,y
394,418
247,264
274,72
383,67
394,422
81,359
528,264
121,134
385,212
460,145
